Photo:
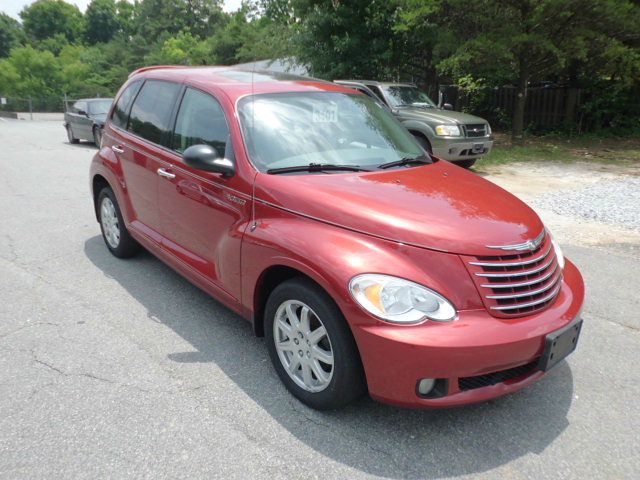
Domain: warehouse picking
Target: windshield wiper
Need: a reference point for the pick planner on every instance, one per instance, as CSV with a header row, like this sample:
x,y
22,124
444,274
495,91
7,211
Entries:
x,y
406,161
318,167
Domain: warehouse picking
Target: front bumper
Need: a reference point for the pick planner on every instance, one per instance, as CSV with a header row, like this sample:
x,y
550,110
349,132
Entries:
x,y
396,357
461,149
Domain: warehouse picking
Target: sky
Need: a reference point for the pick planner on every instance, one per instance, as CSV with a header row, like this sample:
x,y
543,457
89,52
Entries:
x,y
13,7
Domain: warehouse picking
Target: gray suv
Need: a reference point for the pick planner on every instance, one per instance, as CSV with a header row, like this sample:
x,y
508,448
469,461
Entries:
x,y
455,136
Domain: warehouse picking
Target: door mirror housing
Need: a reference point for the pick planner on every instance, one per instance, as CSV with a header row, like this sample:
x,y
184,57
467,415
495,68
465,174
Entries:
x,y
447,106
82,112
207,158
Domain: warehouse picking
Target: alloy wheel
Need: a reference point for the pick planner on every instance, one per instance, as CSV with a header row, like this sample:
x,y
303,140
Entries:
x,y
303,346
109,221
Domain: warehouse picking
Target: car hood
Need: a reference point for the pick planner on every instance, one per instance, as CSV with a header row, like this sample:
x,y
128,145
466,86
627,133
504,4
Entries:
x,y
438,206
438,115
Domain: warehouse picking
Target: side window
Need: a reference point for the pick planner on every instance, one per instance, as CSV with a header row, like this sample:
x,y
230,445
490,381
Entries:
x,y
375,89
151,111
200,120
120,113
79,106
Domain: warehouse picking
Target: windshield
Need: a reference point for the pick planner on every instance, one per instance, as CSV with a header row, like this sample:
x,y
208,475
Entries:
x,y
292,129
99,107
400,95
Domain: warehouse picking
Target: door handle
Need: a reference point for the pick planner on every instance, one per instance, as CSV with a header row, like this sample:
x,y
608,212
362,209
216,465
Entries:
x,y
117,148
163,173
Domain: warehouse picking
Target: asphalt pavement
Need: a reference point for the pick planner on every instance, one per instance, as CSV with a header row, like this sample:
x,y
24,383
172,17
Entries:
x,y
121,368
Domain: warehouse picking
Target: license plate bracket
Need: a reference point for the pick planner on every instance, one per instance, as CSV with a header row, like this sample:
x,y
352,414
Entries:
x,y
559,344
478,148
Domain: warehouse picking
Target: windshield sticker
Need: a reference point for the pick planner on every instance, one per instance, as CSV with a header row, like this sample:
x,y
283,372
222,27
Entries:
x,y
325,113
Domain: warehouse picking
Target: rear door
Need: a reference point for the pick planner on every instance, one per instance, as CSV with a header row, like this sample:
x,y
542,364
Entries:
x,y
141,147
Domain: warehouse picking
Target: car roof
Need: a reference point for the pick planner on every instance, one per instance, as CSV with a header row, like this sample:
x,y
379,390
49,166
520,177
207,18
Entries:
x,y
375,82
93,99
237,82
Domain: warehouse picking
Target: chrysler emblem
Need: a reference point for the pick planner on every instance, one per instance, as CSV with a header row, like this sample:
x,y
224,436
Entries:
x,y
528,245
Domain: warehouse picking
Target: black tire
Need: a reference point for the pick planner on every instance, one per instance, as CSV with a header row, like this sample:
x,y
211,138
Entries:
x,y
126,246
424,143
70,136
347,382
465,163
97,135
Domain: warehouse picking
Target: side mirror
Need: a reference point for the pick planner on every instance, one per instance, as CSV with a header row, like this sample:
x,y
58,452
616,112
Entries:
x,y
82,112
447,106
207,158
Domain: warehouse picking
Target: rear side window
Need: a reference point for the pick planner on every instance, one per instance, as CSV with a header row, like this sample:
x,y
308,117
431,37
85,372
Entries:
x,y
80,107
200,121
121,111
151,111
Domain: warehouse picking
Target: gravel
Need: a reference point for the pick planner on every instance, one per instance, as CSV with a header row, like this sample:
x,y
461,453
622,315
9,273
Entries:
x,y
614,202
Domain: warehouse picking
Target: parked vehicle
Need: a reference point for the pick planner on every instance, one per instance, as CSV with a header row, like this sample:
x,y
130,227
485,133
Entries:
x,y
310,211
85,119
454,136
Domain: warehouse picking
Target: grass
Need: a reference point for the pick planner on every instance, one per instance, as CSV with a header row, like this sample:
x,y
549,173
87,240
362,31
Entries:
x,y
564,149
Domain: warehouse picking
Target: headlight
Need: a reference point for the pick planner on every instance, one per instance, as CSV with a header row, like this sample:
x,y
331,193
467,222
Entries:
x,y
488,129
448,131
557,249
400,301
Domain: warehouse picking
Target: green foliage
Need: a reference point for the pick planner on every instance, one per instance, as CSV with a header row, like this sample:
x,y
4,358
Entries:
x,y
592,45
11,34
45,18
101,21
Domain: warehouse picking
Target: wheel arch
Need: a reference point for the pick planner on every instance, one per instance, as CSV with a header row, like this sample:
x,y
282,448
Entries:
x,y
98,182
267,281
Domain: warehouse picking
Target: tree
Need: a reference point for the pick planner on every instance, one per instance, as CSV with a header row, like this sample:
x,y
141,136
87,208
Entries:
x,y
516,41
347,39
45,18
10,34
101,21
38,73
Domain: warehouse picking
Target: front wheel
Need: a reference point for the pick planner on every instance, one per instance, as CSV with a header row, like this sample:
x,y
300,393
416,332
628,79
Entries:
x,y
97,136
465,163
114,232
311,346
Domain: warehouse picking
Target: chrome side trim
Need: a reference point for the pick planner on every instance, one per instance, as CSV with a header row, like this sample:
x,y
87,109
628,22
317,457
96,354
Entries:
x,y
516,274
521,284
528,245
546,298
514,264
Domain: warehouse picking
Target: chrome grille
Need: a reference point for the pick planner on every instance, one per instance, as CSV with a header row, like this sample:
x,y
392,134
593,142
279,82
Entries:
x,y
517,284
476,130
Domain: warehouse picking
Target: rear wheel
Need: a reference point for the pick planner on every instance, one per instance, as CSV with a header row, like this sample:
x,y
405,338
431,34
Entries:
x,y
465,163
97,135
114,232
70,136
311,346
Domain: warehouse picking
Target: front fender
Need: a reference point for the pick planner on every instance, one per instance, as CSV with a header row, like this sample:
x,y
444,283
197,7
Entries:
x,y
421,127
332,256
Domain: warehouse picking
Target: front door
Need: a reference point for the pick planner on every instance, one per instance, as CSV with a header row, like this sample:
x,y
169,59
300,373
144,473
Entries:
x,y
201,212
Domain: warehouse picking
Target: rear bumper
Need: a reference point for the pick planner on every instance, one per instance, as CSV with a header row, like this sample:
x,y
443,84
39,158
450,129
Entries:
x,y
465,149
396,357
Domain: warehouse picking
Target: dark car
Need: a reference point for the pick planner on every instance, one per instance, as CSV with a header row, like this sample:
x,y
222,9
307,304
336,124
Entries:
x,y
84,120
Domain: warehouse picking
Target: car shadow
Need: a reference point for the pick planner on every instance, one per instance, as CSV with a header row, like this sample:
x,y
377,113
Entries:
x,y
87,144
367,436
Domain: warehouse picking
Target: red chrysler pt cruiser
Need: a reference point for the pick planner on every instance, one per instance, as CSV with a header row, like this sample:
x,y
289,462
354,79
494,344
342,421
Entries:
x,y
306,208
